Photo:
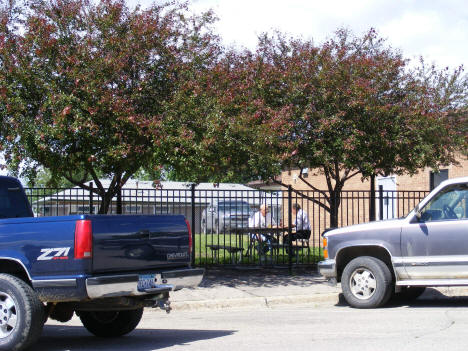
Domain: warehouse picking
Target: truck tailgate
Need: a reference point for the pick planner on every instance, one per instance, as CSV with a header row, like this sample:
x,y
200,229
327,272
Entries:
x,y
128,243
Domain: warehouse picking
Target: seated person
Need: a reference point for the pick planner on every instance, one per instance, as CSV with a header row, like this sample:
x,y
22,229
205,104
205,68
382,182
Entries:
x,y
260,219
301,223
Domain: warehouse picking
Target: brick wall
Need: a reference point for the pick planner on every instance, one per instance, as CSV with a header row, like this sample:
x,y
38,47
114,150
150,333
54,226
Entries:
x,y
419,181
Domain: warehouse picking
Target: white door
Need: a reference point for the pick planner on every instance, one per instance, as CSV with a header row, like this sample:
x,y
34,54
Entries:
x,y
389,197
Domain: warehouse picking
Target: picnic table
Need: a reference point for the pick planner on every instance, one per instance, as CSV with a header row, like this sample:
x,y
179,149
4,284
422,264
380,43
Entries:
x,y
229,248
261,238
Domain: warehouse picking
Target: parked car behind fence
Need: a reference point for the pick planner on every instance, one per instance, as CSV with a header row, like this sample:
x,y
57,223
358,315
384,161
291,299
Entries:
x,y
223,216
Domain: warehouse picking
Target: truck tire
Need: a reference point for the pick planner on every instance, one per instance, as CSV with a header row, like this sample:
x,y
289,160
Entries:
x,y
21,314
366,282
110,324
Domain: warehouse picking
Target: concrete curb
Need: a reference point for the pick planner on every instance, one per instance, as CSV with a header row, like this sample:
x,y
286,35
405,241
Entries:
x,y
259,302
432,294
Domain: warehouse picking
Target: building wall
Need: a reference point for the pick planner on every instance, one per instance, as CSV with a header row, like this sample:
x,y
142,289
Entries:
x,y
419,181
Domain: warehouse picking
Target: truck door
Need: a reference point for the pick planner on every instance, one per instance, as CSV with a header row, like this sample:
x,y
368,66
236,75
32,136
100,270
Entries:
x,y
435,246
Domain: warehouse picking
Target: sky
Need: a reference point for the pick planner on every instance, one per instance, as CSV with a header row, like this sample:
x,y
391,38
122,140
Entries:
x,y
434,29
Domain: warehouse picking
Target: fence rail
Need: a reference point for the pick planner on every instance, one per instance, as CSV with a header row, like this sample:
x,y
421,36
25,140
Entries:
x,y
217,216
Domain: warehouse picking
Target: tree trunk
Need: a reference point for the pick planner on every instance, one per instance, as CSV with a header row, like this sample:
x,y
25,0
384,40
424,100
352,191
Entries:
x,y
106,200
335,199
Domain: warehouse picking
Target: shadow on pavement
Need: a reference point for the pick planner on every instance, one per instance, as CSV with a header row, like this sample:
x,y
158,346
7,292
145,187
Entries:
x,y
261,277
74,338
431,298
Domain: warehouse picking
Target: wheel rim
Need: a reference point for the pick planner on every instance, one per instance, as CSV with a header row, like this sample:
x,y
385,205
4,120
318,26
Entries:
x,y
8,315
362,283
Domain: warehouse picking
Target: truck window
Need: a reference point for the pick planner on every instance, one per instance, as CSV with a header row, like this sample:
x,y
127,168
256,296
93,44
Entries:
x,y
13,202
450,203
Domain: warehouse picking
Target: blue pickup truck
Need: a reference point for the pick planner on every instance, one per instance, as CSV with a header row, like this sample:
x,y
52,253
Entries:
x,y
104,268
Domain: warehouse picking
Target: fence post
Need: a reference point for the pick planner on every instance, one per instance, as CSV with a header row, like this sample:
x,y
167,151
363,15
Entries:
x,y
193,223
381,202
290,227
91,202
372,199
119,200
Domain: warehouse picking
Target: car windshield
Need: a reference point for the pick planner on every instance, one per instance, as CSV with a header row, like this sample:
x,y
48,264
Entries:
x,y
234,206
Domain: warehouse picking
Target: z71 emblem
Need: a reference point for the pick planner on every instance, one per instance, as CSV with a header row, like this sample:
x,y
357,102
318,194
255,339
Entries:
x,y
56,253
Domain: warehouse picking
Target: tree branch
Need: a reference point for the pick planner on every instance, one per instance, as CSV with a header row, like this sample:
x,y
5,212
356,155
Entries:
x,y
302,195
313,187
350,176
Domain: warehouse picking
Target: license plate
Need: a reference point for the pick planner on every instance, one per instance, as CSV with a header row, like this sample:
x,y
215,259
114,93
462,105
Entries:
x,y
146,281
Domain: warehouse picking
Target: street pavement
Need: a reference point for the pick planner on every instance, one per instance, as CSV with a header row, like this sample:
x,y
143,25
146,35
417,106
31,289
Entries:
x,y
232,288
269,310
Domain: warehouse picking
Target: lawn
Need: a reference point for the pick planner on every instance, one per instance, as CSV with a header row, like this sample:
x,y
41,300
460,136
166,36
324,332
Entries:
x,y
206,256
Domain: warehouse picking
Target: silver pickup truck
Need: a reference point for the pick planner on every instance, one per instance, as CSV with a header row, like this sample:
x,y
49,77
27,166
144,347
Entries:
x,y
429,247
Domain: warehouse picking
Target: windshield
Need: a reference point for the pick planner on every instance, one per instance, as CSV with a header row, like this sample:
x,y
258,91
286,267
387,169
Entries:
x,y
234,207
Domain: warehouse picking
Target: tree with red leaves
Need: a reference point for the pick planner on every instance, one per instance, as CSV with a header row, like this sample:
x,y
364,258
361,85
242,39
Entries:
x,y
84,85
356,108
214,124
351,106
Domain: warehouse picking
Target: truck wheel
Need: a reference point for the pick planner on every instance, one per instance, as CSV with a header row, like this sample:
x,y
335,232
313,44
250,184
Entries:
x,y
109,324
366,282
21,314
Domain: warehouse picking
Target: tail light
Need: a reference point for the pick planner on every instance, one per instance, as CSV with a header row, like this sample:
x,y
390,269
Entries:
x,y
83,239
190,236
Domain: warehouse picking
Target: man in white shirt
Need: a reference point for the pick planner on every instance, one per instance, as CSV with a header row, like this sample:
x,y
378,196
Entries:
x,y
301,223
261,219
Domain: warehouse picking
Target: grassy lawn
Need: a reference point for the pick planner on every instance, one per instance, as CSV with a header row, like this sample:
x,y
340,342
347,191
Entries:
x,y
206,256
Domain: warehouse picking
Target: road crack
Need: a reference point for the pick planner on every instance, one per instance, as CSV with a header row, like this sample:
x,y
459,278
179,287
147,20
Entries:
x,y
450,323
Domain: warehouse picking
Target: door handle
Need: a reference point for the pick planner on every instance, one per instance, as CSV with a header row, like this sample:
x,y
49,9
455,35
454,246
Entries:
x,y
414,264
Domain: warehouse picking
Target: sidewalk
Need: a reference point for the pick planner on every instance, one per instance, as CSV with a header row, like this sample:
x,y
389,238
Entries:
x,y
233,288
229,288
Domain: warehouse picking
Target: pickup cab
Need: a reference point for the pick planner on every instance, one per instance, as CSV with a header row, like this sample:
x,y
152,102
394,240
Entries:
x,y
104,268
429,247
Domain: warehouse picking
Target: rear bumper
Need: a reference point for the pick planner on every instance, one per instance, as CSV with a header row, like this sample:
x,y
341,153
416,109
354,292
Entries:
x,y
127,284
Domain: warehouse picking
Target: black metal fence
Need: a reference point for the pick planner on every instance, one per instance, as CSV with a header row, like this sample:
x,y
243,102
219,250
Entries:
x,y
221,218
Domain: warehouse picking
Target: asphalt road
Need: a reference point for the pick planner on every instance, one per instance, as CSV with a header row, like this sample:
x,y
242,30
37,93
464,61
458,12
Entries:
x,y
424,325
